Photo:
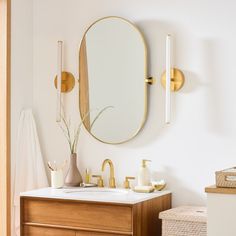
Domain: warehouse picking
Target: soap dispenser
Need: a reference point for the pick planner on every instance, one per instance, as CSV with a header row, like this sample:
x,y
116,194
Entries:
x,y
144,176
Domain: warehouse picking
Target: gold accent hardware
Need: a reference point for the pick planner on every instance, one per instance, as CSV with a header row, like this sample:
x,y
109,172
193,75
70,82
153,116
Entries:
x,y
126,182
177,79
150,80
99,180
87,176
112,181
67,82
159,187
144,162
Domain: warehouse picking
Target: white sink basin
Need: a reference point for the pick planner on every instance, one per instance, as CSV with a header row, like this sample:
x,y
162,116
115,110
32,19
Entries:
x,y
98,194
96,191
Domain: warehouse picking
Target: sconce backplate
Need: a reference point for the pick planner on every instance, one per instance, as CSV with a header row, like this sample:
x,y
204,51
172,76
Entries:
x,y
67,82
177,79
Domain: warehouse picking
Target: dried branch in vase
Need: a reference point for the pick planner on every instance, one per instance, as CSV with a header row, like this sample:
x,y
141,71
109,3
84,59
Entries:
x,y
72,137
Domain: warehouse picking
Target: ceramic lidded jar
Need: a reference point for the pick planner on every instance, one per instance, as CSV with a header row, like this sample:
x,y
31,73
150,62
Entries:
x,y
73,177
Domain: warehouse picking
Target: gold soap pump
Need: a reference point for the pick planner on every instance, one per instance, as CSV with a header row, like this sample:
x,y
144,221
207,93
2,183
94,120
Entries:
x,y
144,176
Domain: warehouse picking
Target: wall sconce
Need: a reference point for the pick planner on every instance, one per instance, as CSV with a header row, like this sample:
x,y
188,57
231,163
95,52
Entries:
x,y
172,80
64,81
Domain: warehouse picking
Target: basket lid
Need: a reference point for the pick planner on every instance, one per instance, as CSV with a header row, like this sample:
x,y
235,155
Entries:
x,y
185,213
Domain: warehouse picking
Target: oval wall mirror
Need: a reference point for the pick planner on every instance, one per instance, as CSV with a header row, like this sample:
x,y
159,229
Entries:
x,y
113,73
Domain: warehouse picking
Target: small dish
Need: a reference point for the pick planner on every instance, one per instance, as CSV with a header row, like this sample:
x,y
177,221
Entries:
x,y
159,185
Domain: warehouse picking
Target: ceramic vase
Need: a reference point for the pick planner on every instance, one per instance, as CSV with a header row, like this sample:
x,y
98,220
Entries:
x,y
73,177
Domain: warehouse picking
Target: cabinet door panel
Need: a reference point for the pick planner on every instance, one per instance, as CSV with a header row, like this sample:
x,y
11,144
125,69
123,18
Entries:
x,y
108,217
43,231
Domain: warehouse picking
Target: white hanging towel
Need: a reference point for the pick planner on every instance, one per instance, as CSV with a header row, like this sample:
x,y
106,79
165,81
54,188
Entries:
x,y
29,166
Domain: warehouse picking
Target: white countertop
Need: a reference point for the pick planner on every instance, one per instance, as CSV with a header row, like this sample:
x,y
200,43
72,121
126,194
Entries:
x,y
94,194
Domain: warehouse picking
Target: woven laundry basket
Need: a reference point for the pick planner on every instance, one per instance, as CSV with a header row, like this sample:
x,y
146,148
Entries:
x,y
184,221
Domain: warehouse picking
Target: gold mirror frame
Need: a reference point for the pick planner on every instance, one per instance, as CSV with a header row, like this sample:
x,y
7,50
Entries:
x,y
82,95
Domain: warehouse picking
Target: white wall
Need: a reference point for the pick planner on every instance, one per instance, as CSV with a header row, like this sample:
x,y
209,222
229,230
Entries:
x,y
201,138
21,66
21,61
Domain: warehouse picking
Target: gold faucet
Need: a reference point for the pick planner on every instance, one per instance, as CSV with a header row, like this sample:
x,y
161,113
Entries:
x,y
99,180
112,181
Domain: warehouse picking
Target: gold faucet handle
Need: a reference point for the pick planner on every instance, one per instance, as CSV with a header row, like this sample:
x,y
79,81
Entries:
x,y
99,180
126,182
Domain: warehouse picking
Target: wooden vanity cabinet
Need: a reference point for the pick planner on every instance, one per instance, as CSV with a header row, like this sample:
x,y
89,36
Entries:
x,y
48,217
44,231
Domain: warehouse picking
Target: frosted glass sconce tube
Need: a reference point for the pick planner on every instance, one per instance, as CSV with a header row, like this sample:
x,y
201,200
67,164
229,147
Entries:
x,y
172,79
168,80
64,81
59,78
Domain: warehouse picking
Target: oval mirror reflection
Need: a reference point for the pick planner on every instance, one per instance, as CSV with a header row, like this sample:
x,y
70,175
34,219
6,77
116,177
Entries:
x,y
112,89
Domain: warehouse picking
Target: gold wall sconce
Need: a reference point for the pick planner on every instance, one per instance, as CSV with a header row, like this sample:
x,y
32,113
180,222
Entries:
x,y
64,81
172,80
176,79
67,82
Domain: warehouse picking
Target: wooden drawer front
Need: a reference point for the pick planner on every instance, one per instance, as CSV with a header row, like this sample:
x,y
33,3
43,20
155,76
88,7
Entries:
x,y
76,214
42,231
81,233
